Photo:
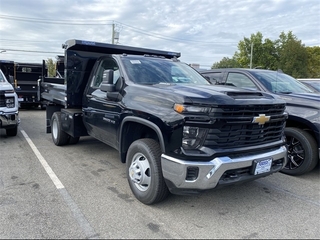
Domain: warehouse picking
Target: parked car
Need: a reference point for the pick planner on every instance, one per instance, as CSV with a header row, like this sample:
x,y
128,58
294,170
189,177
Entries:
x,y
9,111
303,106
312,83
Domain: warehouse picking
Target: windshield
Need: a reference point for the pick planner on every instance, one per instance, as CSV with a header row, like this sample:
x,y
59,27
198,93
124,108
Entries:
x,y
151,70
281,83
314,84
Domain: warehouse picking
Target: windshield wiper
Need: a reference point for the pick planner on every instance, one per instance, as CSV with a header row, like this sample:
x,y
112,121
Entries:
x,y
286,92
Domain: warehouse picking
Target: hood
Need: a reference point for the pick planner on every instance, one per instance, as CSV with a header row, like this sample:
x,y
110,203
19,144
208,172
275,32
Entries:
x,y
308,100
162,94
5,86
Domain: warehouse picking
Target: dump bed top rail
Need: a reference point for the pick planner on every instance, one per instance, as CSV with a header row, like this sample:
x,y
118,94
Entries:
x,y
82,45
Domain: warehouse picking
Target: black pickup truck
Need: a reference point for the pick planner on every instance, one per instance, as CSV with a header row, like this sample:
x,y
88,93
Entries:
x,y
174,130
303,106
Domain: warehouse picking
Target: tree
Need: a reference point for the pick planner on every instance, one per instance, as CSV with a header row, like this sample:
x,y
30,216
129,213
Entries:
x,y
293,56
51,65
286,53
313,61
264,54
226,63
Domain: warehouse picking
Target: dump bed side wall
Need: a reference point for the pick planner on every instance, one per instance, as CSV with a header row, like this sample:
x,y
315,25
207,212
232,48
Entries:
x,y
78,67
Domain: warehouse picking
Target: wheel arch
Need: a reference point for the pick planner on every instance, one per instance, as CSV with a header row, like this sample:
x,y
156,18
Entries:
x,y
138,128
304,124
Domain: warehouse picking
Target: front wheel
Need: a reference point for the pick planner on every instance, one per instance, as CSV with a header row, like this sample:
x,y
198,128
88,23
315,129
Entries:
x,y
59,137
144,171
12,131
73,140
302,152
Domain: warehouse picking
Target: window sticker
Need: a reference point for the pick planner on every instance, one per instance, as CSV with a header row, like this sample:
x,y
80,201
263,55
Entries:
x,y
135,61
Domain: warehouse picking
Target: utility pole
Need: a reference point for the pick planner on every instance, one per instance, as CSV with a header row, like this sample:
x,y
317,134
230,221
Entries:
x,y
115,35
251,55
112,40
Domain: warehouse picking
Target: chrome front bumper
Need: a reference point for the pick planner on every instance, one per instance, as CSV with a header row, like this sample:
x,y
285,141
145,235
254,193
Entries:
x,y
9,119
175,170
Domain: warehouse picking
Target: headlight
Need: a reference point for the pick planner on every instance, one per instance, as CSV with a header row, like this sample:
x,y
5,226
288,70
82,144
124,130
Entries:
x,y
193,137
190,109
10,102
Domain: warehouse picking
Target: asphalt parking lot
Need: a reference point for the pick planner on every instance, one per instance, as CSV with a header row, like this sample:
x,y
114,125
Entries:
x,y
80,191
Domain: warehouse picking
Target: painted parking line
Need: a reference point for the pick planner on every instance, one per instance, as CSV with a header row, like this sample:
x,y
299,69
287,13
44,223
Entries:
x,y
77,214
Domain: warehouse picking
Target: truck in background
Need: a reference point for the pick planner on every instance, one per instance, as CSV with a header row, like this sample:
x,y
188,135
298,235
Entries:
x,y
174,130
24,78
7,68
9,108
303,106
26,84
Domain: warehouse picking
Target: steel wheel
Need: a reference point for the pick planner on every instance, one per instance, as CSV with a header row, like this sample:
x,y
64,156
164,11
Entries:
x,y
59,137
144,171
139,172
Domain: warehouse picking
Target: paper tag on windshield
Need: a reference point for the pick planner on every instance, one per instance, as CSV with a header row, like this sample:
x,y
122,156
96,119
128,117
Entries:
x,y
135,61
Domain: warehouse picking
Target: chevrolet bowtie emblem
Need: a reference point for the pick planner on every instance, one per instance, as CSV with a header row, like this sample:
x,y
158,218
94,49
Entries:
x,y
262,119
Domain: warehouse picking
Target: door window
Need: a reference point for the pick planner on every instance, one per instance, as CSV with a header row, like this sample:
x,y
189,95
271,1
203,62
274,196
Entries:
x,y
240,80
106,64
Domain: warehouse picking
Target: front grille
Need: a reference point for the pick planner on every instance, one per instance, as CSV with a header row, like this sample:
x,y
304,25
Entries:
x,y
233,126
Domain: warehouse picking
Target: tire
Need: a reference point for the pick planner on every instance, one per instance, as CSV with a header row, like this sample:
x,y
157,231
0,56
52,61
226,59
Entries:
x,y
59,137
12,131
144,171
73,140
302,152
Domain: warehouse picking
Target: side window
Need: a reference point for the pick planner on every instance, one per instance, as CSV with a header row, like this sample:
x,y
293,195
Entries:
x,y
107,63
240,80
213,77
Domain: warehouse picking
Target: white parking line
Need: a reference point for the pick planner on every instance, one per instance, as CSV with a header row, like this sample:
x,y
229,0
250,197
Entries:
x,y
77,214
43,162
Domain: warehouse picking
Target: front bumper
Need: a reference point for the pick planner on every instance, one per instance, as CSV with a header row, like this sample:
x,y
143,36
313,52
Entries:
x,y
219,171
8,120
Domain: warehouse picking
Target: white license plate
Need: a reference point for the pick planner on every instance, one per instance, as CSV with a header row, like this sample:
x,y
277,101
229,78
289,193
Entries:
x,y
20,99
262,166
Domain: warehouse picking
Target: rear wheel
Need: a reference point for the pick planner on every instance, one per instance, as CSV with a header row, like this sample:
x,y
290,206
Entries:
x,y
144,171
59,137
302,152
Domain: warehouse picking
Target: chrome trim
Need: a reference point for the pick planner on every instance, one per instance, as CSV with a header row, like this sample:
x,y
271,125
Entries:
x,y
210,172
5,119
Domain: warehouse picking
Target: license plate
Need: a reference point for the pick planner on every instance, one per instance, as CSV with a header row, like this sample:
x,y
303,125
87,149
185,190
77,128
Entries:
x,y
262,166
20,99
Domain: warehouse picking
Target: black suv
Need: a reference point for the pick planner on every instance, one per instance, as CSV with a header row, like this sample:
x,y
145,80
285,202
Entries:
x,y
303,105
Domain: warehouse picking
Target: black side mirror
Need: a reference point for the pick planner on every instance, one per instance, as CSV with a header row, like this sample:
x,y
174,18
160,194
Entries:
x,y
107,81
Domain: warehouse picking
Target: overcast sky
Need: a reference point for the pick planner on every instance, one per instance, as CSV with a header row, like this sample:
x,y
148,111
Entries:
x,y
203,31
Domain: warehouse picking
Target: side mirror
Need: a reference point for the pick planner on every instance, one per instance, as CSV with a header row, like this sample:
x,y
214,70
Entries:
x,y
107,81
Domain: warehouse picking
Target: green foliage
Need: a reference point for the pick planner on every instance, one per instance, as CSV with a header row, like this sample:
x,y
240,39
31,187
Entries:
x,y
286,53
293,56
313,61
227,63
51,65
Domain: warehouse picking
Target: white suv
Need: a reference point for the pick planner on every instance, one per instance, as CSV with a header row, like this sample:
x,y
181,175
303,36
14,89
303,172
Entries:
x,y
9,110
